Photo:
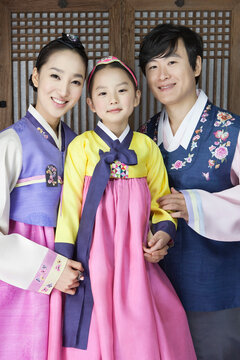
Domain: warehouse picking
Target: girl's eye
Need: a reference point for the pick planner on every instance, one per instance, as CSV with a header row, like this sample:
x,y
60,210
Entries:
x,y
122,90
102,93
55,76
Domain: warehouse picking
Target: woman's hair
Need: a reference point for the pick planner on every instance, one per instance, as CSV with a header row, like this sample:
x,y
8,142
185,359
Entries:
x,y
65,42
112,62
162,42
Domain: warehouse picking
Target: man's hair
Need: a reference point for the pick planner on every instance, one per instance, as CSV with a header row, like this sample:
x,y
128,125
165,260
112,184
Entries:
x,y
162,42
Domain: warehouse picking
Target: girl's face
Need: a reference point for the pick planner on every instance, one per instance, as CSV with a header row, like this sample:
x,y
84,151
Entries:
x,y
59,83
113,98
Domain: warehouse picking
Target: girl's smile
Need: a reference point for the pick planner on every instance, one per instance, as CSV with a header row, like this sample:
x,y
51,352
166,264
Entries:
x,y
113,98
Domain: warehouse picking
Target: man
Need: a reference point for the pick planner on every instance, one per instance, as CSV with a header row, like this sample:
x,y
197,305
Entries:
x,y
200,144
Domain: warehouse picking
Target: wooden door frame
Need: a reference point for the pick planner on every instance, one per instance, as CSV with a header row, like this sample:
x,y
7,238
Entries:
x,y
9,6
130,6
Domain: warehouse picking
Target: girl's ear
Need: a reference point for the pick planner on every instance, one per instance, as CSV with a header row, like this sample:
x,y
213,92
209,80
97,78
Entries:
x,y
90,104
35,77
137,98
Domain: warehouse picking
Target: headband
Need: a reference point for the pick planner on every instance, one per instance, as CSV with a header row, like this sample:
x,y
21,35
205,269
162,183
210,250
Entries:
x,y
110,60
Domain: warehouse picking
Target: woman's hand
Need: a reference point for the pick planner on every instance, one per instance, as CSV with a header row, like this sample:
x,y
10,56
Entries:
x,y
174,202
70,277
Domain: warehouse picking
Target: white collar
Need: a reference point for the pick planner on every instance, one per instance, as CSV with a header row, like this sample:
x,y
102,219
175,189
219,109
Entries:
x,y
111,134
185,130
46,126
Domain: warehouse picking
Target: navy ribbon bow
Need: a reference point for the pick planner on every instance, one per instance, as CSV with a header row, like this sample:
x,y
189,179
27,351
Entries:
x,y
78,308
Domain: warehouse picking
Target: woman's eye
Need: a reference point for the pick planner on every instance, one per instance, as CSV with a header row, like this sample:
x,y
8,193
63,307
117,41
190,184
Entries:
x,y
172,62
76,82
55,76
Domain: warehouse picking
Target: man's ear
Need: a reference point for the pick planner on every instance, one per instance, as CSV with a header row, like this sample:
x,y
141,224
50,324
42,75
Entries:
x,y
137,98
90,104
198,66
35,77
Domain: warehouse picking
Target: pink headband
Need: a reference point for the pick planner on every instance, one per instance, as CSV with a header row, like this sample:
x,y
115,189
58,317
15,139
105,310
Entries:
x,y
109,60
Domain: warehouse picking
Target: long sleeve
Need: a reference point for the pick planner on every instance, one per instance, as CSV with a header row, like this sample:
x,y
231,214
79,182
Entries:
x,y
158,184
21,259
217,215
71,200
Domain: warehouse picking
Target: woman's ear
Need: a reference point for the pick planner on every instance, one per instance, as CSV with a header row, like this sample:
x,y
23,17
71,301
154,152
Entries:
x,y
90,104
35,77
137,98
198,66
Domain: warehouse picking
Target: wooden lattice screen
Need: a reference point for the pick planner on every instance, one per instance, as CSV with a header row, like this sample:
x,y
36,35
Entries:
x,y
30,31
215,28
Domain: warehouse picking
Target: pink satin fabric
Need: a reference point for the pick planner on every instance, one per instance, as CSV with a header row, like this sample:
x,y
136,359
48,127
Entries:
x,y
136,313
25,314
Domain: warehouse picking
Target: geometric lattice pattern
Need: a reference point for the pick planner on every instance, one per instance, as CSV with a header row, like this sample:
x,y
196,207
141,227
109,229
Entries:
x,y
31,31
215,29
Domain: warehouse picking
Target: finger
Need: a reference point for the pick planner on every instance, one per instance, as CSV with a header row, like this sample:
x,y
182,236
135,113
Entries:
x,y
152,259
70,291
163,251
147,250
174,191
76,265
177,215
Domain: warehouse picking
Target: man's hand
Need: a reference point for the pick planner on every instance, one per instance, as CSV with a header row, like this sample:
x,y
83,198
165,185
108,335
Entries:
x,y
69,279
174,202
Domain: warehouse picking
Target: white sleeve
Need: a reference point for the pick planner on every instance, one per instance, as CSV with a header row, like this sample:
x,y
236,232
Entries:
x,y
217,215
20,258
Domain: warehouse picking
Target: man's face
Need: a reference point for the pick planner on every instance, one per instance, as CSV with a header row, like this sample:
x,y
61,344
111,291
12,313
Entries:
x,y
172,79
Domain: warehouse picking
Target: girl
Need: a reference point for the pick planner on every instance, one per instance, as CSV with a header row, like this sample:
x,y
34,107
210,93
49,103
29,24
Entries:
x,y
125,309
31,161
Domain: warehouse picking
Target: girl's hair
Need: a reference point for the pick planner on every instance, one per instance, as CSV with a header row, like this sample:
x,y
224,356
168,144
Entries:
x,y
65,42
162,41
112,62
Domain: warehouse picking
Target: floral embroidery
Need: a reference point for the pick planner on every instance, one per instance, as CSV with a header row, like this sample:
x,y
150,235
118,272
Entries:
x,y
197,134
219,149
119,170
42,132
40,277
51,176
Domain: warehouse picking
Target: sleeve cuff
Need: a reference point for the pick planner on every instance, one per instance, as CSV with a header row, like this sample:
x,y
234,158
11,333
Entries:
x,y
195,211
167,226
48,273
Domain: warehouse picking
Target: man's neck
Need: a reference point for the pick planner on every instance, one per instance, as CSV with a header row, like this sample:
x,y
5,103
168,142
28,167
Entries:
x,y
177,113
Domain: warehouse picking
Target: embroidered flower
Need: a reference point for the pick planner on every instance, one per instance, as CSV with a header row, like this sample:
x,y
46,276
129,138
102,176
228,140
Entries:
x,y
211,148
178,164
221,134
211,163
189,158
217,123
221,152
228,143
223,116
196,137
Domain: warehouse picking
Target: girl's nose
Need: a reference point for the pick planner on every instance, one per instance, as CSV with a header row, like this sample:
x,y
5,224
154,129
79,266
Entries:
x,y
114,99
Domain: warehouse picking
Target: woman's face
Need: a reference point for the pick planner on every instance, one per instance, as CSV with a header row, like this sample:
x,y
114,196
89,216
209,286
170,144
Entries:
x,y
59,84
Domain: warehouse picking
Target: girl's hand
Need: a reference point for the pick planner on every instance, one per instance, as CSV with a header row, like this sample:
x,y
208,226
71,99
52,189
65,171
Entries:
x,y
157,246
174,202
70,277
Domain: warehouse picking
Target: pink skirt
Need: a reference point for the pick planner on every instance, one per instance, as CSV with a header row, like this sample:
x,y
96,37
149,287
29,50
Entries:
x,y
24,315
137,314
